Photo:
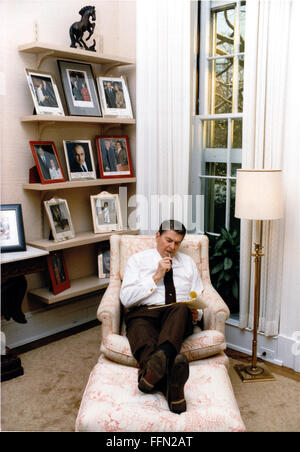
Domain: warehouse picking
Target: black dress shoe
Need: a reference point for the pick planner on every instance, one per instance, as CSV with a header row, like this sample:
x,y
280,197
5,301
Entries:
x,y
155,370
178,376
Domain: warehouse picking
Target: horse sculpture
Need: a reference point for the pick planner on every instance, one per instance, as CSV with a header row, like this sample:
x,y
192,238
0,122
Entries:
x,y
87,23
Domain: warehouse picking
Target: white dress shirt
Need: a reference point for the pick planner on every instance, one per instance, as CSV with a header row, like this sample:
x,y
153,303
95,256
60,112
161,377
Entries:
x,y
84,166
55,173
139,289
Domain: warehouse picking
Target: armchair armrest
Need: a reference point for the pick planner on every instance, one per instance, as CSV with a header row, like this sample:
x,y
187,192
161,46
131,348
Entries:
x,y
109,310
216,314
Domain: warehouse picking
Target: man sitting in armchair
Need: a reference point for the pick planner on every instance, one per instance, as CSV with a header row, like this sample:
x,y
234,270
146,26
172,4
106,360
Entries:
x,y
156,325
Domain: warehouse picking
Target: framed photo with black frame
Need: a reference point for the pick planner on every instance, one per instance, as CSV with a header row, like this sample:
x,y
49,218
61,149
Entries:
x,y
12,236
114,96
47,162
44,93
114,157
79,88
79,159
58,272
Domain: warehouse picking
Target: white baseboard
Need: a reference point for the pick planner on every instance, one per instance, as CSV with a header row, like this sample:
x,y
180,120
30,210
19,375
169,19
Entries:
x,y
50,320
279,350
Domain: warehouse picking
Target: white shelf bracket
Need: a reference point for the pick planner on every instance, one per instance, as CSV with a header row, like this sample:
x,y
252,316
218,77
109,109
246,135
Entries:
x,y
110,68
43,126
108,127
43,56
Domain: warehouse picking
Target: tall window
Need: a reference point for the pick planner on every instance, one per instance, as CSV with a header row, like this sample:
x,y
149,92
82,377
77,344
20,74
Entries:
x,y
217,148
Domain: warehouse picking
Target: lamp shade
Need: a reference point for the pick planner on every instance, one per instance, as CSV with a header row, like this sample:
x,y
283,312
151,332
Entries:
x,y
259,194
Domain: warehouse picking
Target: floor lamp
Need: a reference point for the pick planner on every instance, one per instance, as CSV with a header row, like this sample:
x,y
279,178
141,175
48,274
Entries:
x,y
258,197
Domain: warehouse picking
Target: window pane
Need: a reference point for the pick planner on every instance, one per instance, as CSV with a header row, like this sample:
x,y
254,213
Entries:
x,y
222,85
224,32
216,133
237,130
242,27
241,84
234,222
216,169
215,204
234,167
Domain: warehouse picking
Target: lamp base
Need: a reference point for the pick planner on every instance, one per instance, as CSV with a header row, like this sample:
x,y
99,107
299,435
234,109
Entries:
x,y
249,374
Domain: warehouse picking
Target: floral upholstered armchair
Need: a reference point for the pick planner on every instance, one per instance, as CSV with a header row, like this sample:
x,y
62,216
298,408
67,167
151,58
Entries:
x,y
201,344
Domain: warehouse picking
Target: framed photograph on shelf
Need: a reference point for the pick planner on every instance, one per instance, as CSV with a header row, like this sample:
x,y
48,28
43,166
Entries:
x,y
58,272
114,97
106,212
47,162
114,156
12,236
60,219
79,158
44,92
79,88
104,264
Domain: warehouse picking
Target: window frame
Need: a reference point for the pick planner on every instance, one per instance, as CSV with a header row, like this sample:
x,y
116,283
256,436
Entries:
x,y
201,155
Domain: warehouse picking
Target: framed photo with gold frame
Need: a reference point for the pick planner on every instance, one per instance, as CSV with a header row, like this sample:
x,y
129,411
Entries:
x,y
106,212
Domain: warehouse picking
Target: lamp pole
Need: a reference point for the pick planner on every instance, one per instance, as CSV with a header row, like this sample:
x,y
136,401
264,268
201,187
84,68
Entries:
x,y
254,370
258,197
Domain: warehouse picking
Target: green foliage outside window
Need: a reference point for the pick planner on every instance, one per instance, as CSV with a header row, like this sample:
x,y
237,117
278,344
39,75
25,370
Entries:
x,y
224,260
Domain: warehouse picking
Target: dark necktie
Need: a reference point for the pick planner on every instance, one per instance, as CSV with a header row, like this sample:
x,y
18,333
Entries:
x,y
170,292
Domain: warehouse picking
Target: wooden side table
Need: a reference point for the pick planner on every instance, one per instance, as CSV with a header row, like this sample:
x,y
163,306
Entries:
x,y
14,267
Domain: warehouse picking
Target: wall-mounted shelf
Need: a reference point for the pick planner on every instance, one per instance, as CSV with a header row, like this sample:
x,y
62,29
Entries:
x,y
75,119
80,286
44,50
82,238
76,184
91,283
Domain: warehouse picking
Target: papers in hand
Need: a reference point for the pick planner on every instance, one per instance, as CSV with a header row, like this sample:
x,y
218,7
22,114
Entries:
x,y
195,301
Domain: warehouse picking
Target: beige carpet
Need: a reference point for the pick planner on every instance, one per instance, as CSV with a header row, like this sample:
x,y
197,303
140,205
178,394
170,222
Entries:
x,y
48,395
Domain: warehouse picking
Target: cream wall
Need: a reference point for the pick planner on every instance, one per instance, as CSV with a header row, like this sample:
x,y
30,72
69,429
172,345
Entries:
x,y
49,21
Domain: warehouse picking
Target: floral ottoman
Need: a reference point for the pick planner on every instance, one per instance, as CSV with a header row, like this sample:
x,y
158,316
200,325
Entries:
x,y
112,401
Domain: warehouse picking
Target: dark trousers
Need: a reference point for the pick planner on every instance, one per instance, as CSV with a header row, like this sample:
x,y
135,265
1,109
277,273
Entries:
x,y
147,329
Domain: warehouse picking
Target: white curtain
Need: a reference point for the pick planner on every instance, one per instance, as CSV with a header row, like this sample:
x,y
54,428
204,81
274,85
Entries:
x,y
163,110
266,113
290,307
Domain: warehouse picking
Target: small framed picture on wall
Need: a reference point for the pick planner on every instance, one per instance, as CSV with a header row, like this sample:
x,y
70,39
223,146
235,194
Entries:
x,y
44,93
114,156
58,272
47,162
114,96
79,159
12,236
106,212
60,219
79,88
